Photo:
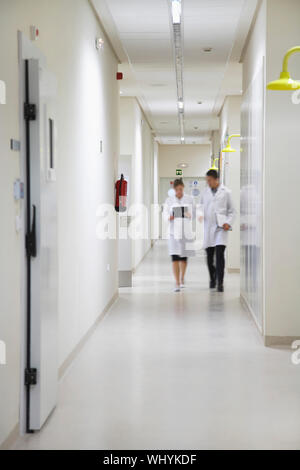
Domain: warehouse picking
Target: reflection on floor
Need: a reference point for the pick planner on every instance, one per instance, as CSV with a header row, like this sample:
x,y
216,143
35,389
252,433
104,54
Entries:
x,y
167,371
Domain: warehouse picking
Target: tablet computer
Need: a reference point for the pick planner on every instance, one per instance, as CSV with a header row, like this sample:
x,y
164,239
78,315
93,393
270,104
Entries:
x,y
179,212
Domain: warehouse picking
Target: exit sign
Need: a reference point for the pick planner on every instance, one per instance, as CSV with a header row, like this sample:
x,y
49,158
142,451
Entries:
x,y
178,172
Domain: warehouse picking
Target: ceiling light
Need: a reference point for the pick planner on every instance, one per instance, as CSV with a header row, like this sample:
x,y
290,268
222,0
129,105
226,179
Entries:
x,y
182,165
207,49
199,102
182,139
180,104
176,11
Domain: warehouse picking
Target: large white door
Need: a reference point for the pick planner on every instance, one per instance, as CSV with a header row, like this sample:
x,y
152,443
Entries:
x,y
41,244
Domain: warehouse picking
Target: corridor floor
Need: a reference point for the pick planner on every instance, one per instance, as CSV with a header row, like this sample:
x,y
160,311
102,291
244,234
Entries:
x,y
176,371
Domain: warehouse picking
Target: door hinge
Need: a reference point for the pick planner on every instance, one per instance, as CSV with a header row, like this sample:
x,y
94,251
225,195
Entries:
x,y
31,245
29,112
30,376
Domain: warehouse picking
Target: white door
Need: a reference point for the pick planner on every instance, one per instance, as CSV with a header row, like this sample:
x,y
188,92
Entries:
x,y
41,244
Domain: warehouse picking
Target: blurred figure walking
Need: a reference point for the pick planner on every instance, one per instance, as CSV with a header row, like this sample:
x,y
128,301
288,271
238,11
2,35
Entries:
x,y
218,215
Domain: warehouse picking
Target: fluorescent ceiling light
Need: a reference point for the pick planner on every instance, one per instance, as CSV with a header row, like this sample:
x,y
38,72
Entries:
x,y
180,104
176,11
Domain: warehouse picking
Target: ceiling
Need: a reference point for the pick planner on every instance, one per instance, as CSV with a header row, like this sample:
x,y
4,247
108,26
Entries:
x,y
140,32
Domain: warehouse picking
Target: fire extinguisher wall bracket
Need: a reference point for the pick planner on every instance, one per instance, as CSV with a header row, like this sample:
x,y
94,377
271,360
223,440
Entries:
x,y
121,195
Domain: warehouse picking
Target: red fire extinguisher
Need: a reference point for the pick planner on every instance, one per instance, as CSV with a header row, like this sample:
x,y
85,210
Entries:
x,y
121,195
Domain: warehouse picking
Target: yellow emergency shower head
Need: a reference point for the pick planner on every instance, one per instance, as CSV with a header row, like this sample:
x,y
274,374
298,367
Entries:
x,y
214,167
228,148
285,82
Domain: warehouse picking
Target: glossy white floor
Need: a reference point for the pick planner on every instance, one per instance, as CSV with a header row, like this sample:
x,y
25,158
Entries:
x,y
167,371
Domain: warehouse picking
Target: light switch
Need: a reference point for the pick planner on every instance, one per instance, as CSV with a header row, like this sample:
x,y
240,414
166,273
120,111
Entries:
x,y
18,190
18,224
2,92
15,145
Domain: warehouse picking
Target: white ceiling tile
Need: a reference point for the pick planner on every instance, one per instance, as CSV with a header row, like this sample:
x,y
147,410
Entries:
x,y
144,30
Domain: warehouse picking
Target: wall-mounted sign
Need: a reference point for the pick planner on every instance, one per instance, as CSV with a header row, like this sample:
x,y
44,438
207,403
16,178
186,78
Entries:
x,y
178,172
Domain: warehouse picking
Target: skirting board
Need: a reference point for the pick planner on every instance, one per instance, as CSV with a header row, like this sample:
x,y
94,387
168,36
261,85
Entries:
x,y
247,307
11,439
280,340
140,262
66,364
269,340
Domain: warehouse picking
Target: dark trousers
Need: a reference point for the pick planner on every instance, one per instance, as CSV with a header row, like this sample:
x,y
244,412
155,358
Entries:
x,y
216,270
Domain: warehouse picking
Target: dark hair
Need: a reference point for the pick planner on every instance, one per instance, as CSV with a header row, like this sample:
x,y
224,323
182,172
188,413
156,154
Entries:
x,y
178,182
213,173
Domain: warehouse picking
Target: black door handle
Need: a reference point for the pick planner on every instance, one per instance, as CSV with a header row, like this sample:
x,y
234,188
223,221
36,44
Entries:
x,y
31,246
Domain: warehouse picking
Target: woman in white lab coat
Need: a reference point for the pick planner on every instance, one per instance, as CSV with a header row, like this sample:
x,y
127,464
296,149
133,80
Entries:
x,y
219,216
179,211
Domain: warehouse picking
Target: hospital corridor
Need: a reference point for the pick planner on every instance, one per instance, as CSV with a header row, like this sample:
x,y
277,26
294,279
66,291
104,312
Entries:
x,y
165,371
149,203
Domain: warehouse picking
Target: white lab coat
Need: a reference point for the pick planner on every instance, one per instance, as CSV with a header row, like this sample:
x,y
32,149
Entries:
x,y
180,231
213,204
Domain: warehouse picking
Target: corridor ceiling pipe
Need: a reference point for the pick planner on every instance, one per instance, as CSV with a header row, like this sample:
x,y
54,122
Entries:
x,y
176,16
285,82
228,148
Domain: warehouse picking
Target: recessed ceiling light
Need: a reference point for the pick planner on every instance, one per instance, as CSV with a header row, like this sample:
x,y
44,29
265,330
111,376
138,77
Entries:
x,y
182,165
182,139
180,104
207,49
176,11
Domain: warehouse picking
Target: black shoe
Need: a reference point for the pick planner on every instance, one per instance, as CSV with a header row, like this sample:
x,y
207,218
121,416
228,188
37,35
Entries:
x,y
221,288
212,284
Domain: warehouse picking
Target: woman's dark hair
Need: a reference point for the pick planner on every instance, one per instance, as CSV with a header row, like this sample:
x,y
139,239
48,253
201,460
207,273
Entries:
x,y
178,182
213,174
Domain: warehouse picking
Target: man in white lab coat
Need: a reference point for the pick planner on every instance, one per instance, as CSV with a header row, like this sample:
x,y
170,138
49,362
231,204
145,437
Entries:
x,y
218,212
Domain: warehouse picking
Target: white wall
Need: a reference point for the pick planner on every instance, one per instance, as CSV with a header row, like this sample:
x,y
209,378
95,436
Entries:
x,y
230,123
215,145
196,156
275,31
125,244
87,109
252,170
282,167
137,140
